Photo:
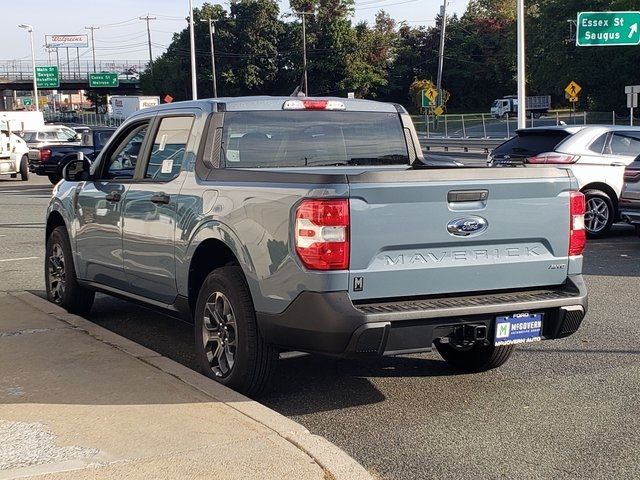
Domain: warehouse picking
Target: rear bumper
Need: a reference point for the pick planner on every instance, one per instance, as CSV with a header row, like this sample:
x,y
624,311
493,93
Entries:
x,y
330,323
42,168
629,210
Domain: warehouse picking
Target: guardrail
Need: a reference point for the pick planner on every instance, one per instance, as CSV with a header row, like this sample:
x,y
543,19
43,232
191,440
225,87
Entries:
x,y
83,118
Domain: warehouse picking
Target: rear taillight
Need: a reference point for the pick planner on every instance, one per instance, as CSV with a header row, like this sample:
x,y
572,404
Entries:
x,y
322,234
553,158
45,154
631,176
577,233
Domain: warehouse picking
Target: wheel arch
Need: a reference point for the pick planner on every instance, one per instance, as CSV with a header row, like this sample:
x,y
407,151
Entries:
x,y
213,246
604,188
54,220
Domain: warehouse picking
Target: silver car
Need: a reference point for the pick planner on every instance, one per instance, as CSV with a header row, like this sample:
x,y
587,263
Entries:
x,y
630,198
596,154
50,134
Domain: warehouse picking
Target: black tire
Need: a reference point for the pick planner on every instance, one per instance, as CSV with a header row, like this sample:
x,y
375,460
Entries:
x,y
600,205
54,178
253,361
70,295
478,358
24,168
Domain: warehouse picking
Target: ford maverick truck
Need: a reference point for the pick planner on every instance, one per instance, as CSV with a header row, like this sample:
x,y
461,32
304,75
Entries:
x,y
316,225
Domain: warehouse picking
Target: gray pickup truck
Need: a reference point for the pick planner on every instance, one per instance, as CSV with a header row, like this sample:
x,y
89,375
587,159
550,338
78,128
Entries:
x,y
316,225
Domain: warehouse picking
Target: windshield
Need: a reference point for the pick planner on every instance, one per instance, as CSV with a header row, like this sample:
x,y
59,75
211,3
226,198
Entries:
x,y
531,143
313,138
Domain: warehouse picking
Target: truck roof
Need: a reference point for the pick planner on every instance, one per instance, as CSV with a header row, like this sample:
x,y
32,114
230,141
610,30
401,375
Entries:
x,y
268,103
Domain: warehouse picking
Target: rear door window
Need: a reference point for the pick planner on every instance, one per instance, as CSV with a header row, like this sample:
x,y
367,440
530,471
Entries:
x,y
528,144
169,148
599,145
625,144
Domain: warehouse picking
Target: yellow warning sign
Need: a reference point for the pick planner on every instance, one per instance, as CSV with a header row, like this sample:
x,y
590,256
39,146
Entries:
x,y
439,111
573,89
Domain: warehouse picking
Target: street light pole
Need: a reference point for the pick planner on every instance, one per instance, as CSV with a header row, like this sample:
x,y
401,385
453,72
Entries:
x,y
29,29
147,19
522,93
192,41
212,31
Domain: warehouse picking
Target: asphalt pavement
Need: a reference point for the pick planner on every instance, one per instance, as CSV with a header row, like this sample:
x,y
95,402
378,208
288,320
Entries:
x,y
561,409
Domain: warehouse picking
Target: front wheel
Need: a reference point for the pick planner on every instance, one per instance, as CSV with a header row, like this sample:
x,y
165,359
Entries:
x,y
24,168
599,214
60,275
229,346
478,358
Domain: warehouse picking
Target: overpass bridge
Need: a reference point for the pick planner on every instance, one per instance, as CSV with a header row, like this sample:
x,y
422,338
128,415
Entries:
x,y
17,75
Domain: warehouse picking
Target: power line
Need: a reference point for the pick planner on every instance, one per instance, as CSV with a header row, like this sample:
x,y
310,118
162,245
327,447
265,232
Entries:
x,y
93,44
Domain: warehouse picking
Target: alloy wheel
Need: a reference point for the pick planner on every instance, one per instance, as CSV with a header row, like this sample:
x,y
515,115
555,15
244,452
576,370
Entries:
x,y
57,273
597,215
219,334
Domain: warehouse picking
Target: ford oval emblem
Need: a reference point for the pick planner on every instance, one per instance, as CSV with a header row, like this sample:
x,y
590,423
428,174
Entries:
x,y
467,226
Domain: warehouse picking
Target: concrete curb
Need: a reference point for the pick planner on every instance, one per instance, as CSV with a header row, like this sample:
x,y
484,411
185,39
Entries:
x,y
333,460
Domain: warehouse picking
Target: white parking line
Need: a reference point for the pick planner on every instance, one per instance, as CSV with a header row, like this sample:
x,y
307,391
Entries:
x,y
18,259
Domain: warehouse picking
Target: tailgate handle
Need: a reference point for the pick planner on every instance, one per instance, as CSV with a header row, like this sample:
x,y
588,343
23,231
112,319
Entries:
x,y
467,196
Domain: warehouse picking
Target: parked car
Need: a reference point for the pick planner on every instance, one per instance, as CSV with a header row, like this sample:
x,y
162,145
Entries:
x,y
13,154
314,225
49,160
596,155
630,198
50,134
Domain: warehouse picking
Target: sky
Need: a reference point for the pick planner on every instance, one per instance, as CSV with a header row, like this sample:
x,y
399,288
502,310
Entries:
x,y
123,36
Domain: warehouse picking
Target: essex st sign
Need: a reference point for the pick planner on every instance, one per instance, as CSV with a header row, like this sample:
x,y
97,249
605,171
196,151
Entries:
x,y
607,29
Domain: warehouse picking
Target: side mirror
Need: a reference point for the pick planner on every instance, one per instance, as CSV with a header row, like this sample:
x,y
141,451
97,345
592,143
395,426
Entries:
x,y
77,170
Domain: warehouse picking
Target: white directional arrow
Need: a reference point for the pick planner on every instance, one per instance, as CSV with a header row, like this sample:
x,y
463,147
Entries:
x,y
633,30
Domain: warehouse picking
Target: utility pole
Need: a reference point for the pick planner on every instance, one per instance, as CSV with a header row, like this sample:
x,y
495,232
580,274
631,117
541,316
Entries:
x,y
522,93
93,44
192,45
304,50
212,31
443,20
147,19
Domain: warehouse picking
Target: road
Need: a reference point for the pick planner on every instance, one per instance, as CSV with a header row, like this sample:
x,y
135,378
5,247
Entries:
x,y
563,409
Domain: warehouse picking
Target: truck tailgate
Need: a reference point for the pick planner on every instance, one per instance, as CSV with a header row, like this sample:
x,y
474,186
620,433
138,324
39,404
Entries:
x,y
408,231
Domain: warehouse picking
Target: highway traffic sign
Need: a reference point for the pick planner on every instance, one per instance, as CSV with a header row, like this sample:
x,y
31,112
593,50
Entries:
x,y
47,77
103,80
429,97
602,29
27,102
573,89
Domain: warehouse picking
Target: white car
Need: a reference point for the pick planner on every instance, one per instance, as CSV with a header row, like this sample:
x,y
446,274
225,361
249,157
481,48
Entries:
x,y
14,159
596,154
50,134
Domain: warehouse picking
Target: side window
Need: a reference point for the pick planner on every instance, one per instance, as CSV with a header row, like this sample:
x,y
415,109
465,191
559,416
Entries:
x,y
598,145
625,143
121,163
169,148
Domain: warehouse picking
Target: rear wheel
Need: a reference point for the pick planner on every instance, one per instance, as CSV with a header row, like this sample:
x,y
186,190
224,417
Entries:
x,y
60,275
54,178
24,168
229,346
599,213
477,358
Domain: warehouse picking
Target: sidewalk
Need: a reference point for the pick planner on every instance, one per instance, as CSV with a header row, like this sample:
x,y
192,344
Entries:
x,y
78,401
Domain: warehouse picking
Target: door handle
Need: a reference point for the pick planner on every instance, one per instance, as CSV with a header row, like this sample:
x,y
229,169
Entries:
x,y
618,164
161,198
113,197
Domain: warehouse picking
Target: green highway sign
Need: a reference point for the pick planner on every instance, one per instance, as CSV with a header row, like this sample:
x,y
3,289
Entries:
x,y
604,29
103,80
27,102
47,77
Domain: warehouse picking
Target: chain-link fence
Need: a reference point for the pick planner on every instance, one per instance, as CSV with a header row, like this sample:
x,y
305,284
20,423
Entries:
x,y
486,126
